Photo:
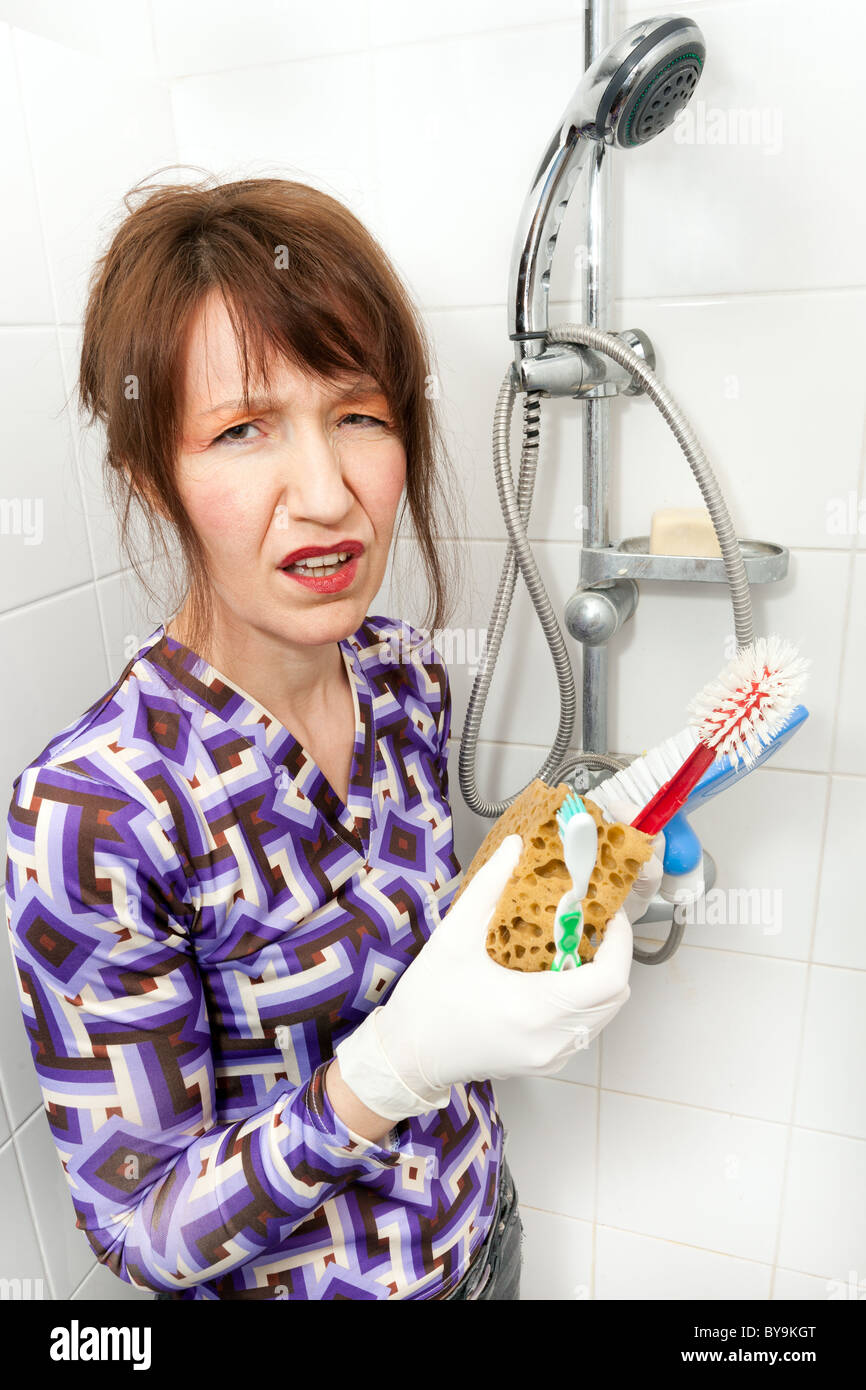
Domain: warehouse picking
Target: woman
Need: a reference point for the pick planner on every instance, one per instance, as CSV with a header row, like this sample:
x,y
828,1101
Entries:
x,y
260,1080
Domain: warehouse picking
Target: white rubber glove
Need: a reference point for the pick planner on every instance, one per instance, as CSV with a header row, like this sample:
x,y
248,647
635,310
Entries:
x,y
648,881
455,1015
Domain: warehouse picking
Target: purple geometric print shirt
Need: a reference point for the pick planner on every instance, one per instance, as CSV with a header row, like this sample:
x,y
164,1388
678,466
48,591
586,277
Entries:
x,y
197,920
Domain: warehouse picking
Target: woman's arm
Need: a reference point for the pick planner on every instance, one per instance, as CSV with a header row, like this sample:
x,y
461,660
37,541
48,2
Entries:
x,y
113,1002
350,1110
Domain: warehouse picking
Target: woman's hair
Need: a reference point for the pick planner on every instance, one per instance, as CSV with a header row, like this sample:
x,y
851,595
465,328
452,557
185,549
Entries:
x,y
299,275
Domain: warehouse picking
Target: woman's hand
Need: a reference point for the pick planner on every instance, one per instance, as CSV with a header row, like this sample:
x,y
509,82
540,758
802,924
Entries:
x,y
455,1015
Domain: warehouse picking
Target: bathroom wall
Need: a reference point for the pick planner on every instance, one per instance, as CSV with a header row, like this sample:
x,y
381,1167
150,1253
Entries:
x,y
712,1142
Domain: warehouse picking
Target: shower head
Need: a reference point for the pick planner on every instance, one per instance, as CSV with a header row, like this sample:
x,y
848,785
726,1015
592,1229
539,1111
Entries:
x,y
640,84
633,91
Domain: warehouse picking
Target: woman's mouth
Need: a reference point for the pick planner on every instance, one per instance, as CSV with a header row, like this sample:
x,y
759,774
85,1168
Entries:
x,y
326,574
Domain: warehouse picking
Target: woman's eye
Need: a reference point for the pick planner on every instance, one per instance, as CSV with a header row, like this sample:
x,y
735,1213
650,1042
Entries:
x,y
371,418
229,434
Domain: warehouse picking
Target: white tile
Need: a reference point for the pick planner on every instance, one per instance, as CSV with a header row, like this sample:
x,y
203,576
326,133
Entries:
x,y
711,1028
119,35
557,1257
217,35
830,1093
790,1284
20,1256
786,474
102,1286
25,293
67,1249
851,739
823,1217
545,1117
54,671
5,1128
691,1176
680,639
840,938
18,1077
764,834
456,158
129,617
393,21
255,122
90,445
43,535
95,131
695,216
637,1267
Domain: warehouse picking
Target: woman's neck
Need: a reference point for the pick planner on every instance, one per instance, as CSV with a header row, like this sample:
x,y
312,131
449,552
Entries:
x,y
298,685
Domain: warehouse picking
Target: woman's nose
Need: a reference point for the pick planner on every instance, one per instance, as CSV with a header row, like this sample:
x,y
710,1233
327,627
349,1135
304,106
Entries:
x,y
315,486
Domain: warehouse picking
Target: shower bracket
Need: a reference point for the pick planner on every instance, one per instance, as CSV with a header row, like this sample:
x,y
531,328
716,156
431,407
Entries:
x,y
765,564
607,592
569,369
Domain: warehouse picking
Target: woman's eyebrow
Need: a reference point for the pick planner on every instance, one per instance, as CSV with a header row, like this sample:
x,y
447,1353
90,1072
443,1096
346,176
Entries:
x,y
352,386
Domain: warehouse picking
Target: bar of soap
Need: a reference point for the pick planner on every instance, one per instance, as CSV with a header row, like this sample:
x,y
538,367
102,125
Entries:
x,y
683,531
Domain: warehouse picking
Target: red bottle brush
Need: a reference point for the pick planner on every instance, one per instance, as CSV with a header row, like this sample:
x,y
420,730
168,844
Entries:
x,y
737,714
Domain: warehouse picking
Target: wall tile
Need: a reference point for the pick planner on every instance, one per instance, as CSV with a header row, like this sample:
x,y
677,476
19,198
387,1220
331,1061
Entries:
x,y
43,533
717,206
830,1095
710,1028
25,291
543,1116
557,1257
118,35
851,740
95,130
692,1176
823,1229
255,122
20,1256
217,36
628,1266
839,935
67,1250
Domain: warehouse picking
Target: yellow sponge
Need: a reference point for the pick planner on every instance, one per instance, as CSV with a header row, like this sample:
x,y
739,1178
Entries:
x,y
520,935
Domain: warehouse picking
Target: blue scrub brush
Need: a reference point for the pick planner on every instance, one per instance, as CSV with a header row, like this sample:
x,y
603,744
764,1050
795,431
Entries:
x,y
770,667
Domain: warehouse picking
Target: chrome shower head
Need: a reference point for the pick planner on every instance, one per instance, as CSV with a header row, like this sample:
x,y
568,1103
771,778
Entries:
x,y
633,91
646,83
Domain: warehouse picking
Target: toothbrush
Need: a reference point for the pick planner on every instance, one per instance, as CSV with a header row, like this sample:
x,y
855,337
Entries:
x,y
738,715
579,836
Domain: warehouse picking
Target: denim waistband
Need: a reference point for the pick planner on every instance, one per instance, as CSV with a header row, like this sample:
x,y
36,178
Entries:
x,y
504,1203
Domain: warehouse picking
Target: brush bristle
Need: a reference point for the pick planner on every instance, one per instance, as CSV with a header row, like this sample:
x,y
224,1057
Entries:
x,y
739,712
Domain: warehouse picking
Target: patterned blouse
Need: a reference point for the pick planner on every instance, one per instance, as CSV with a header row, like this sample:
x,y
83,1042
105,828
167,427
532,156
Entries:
x,y
197,920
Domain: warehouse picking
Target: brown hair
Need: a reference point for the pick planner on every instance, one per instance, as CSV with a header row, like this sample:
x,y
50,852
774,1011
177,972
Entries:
x,y
299,274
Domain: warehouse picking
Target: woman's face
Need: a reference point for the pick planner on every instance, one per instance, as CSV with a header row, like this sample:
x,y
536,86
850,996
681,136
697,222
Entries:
x,y
312,468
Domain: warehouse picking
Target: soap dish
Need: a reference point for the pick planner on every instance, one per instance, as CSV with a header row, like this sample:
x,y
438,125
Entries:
x,y
631,559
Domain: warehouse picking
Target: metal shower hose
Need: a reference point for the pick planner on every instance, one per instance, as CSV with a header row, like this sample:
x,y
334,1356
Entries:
x,y
515,509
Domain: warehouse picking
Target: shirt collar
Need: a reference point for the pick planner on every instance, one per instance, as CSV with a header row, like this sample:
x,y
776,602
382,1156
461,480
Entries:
x,y
212,698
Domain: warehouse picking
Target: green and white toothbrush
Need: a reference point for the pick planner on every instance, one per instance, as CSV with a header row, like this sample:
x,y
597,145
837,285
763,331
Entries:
x,y
579,836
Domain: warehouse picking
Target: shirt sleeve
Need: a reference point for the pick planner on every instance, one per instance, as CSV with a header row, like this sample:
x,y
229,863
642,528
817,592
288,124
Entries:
x,y
102,931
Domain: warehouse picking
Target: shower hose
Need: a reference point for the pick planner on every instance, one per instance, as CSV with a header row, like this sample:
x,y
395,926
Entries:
x,y
516,508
